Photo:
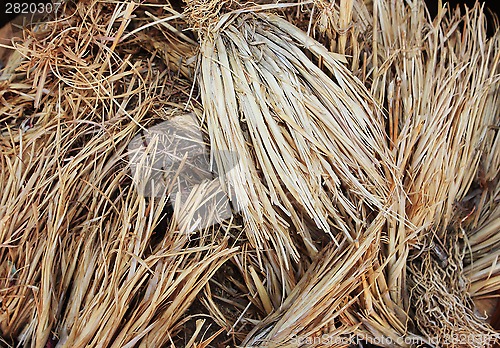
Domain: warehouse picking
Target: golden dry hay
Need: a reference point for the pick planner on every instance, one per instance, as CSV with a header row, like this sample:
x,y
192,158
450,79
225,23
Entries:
x,y
358,142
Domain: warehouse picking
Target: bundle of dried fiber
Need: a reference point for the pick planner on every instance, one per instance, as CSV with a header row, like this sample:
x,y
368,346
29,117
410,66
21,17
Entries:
x,y
480,217
86,259
290,137
440,85
348,27
320,310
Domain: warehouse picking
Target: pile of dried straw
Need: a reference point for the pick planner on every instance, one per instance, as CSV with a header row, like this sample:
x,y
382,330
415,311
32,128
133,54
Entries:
x,y
214,174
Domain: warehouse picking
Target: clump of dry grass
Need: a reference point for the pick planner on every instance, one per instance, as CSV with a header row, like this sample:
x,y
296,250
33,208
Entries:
x,y
86,260
363,174
265,101
439,83
442,101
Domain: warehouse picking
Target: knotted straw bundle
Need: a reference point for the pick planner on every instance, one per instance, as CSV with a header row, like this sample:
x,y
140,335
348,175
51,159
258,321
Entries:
x,y
308,148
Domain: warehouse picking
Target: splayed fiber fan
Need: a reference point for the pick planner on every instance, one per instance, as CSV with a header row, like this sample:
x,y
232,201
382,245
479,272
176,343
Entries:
x,y
310,148
214,174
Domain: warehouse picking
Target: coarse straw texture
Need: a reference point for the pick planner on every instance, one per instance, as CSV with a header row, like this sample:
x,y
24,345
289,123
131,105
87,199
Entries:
x,y
86,260
439,84
357,141
303,155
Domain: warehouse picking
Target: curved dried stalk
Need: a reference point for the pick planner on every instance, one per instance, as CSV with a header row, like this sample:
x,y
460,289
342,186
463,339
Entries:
x,y
321,307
